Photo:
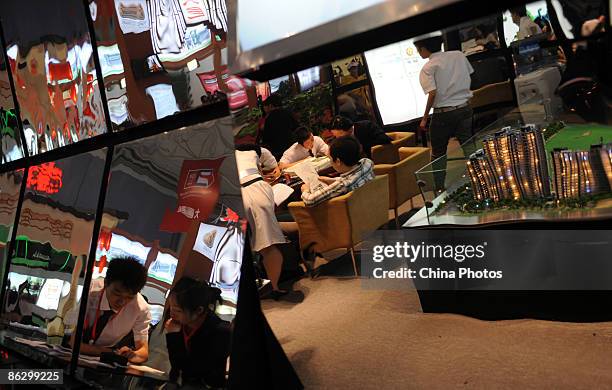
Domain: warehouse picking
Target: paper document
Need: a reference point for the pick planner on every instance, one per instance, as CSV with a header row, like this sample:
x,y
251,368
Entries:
x,y
281,193
307,172
147,369
32,343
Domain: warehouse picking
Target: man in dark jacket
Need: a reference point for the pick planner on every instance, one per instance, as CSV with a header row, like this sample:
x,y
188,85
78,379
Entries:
x,y
367,133
278,128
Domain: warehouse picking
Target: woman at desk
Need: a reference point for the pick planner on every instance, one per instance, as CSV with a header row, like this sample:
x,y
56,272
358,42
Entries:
x,y
307,145
198,341
117,317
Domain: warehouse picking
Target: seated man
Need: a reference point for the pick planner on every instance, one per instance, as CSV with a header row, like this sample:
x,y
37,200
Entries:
x,y
268,162
307,145
117,313
354,172
366,132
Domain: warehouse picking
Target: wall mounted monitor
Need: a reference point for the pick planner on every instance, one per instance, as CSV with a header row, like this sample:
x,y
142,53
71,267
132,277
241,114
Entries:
x,y
394,70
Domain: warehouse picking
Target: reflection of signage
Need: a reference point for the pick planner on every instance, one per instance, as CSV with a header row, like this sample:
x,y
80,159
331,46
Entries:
x,y
238,97
117,109
200,178
37,255
46,177
133,16
209,80
194,11
110,60
164,267
198,192
163,100
41,221
208,240
196,38
50,294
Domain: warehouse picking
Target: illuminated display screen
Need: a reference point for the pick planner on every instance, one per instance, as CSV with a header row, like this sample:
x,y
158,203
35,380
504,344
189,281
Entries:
x,y
394,70
309,78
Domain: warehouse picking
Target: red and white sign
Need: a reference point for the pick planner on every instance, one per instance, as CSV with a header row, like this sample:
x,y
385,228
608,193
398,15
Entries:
x,y
194,11
198,193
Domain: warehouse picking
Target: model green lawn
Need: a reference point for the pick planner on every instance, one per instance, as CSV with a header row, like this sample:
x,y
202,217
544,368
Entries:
x,y
579,137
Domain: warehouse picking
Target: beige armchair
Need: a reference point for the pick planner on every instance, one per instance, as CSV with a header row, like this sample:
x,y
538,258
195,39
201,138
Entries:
x,y
342,222
388,154
402,181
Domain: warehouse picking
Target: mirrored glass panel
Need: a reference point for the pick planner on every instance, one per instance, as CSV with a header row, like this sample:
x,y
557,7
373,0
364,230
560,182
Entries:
x,y
10,184
161,57
171,220
46,270
11,139
51,60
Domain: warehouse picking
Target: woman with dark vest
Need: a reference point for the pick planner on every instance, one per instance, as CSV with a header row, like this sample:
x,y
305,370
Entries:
x,y
198,340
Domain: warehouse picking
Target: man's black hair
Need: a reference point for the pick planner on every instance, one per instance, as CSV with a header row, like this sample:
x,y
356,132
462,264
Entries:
x,y
128,272
274,100
301,135
432,44
191,294
520,11
341,122
346,149
249,147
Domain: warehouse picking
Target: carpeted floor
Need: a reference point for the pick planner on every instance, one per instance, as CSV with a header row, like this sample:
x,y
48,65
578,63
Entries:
x,y
343,336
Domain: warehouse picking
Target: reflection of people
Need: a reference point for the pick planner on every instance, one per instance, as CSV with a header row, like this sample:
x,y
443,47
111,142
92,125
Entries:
x,y
268,162
258,199
366,132
354,73
116,313
486,35
445,78
198,341
278,126
307,145
527,27
345,154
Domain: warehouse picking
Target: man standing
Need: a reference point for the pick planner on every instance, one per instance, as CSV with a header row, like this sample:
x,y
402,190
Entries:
x,y
527,27
445,78
278,127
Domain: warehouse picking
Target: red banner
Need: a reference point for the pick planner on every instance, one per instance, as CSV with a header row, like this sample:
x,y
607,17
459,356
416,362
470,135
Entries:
x,y
198,193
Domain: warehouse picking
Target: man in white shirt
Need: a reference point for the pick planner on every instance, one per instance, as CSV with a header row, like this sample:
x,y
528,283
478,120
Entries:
x,y
307,145
267,160
116,311
446,79
527,27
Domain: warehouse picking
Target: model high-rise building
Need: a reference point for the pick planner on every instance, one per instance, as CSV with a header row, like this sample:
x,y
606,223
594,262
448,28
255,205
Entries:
x,y
484,182
511,165
529,160
497,149
582,173
606,161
